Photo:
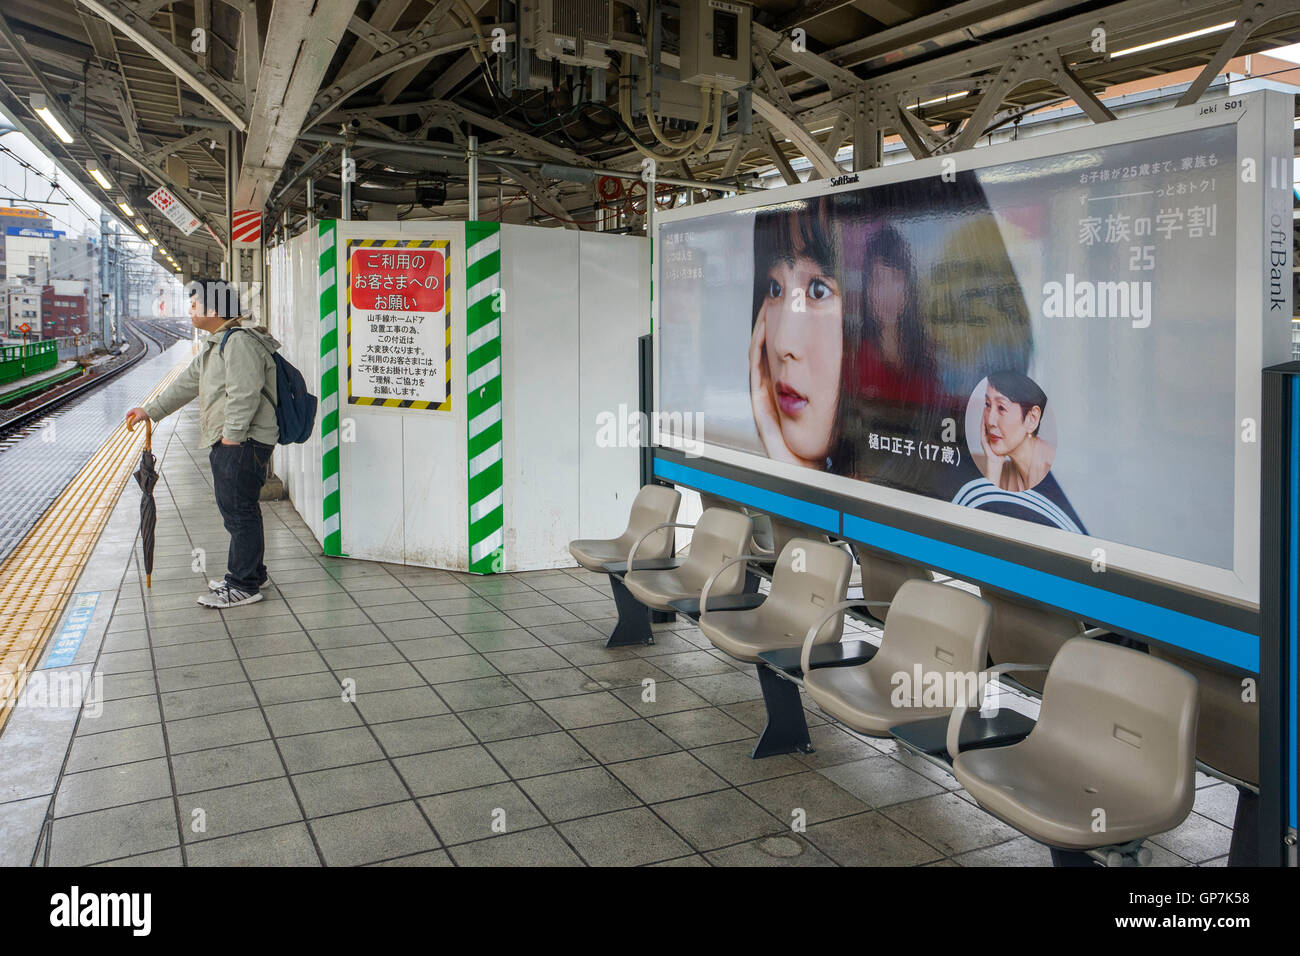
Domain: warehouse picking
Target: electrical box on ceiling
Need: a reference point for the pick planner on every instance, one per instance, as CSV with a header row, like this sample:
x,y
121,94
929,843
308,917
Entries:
x,y
577,32
715,43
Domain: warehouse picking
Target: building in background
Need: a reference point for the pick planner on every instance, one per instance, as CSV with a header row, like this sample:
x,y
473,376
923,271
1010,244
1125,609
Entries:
x,y
65,308
23,307
74,258
18,217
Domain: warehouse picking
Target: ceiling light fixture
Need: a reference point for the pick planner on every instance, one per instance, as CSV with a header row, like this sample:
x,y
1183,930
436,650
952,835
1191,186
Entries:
x,y
41,107
1178,39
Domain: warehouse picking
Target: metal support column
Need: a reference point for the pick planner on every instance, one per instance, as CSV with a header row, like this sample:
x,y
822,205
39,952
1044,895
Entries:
x,y
106,335
1279,614
472,155
229,264
347,173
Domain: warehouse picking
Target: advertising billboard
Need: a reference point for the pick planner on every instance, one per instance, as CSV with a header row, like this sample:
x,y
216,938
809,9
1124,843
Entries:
x,y
1050,342
31,232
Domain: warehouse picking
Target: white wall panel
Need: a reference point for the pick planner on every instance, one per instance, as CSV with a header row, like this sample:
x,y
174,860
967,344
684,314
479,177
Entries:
x,y
540,402
433,445
575,304
403,486
294,319
614,311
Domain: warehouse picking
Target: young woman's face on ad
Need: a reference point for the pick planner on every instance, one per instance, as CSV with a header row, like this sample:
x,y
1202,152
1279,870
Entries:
x,y
803,313
1005,426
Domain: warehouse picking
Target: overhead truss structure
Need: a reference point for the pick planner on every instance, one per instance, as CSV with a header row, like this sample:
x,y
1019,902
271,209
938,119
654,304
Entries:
x,y
239,104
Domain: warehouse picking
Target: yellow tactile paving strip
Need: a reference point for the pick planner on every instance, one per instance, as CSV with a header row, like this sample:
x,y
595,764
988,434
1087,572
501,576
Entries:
x,y
39,575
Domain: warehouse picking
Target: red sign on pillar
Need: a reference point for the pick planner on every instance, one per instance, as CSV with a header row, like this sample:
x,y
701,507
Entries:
x,y
246,227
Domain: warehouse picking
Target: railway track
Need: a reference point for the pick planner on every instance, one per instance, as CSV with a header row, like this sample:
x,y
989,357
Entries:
x,y
161,337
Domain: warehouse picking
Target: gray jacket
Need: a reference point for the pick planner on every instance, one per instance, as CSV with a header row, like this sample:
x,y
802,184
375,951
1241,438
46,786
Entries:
x,y
235,389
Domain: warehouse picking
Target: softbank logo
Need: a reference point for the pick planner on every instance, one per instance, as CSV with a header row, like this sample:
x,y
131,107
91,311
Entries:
x,y
1083,299
74,909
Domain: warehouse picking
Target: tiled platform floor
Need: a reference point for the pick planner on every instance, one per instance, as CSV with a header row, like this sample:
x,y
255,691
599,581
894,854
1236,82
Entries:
x,y
479,702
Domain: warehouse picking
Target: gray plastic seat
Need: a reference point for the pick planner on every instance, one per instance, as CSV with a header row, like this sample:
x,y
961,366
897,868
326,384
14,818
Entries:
x,y
708,501
937,629
1028,635
882,577
1227,731
773,533
1116,734
719,536
810,576
653,505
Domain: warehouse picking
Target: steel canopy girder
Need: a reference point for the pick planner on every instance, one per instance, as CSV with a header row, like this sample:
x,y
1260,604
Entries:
x,y
300,45
53,102
793,130
518,139
1056,40
157,173
129,17
400,79
419,45
1253,17
771,43
545,200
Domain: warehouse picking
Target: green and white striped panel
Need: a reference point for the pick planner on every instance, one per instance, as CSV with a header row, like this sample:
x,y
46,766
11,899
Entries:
x,y
327,285
483,394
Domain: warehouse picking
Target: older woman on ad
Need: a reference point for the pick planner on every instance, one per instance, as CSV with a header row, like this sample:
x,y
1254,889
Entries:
x,y
1016,459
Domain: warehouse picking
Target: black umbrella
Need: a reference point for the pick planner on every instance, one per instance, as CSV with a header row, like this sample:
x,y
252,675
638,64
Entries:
x,y
146,477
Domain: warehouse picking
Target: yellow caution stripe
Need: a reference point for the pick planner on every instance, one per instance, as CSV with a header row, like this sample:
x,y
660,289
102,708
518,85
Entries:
x,y
40,574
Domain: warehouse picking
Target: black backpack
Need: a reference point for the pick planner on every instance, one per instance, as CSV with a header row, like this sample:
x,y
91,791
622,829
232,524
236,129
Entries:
x,y
295,412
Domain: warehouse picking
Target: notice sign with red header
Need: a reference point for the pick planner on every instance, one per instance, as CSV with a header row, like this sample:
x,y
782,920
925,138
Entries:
x,y
398,327
167,204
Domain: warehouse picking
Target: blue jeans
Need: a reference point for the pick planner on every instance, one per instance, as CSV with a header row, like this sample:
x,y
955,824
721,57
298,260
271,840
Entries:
x,y
238,473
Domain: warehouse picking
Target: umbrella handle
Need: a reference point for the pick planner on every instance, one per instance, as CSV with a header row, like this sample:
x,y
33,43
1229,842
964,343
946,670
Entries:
x,y
148,434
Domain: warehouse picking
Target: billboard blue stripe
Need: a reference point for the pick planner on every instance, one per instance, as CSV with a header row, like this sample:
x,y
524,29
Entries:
x,y
1215,641
769,502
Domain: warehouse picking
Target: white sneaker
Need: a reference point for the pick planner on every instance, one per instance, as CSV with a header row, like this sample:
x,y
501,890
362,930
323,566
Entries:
x,y
227,596
216,584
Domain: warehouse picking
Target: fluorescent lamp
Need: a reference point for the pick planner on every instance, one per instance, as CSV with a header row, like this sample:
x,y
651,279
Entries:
x,y
940,99
144,230
126,209
1178,39
163,251
41,108
98,176
153,241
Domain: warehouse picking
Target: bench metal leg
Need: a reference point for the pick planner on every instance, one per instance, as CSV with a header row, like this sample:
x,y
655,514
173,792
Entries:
x,y
662,617
633,625
1244,850
787,728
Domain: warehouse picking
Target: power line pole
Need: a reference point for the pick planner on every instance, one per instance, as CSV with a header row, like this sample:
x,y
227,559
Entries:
x,y
106,332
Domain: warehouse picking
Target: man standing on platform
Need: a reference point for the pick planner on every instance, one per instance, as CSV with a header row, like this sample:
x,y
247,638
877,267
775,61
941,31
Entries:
x,y
234,379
